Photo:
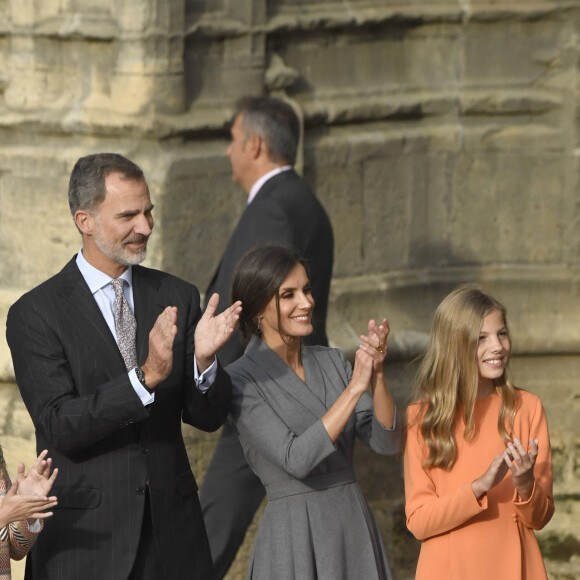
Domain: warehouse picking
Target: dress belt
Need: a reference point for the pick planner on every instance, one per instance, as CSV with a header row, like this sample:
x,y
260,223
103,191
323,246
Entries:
x,y
309,484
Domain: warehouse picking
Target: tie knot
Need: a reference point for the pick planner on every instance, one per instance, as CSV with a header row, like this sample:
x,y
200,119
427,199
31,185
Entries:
x,y
118,285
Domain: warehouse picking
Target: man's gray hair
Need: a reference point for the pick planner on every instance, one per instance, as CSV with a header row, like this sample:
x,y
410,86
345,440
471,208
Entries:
x,y
86,188
275,122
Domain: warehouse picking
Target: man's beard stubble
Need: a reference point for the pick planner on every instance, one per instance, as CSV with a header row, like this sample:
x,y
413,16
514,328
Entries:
x,y
118,252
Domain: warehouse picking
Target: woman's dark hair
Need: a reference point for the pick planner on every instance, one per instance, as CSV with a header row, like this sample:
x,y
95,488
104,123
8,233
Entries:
x,y
257,278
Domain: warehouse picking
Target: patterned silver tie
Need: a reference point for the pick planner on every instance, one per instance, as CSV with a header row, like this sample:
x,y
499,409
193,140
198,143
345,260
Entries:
x,y
125,325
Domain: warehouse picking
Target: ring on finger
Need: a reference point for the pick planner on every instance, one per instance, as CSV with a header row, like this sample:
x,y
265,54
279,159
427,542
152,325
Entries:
x,y
380,349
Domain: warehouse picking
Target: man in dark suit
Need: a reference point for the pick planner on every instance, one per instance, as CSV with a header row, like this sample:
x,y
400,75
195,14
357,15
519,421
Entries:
x,y
128,502
281,209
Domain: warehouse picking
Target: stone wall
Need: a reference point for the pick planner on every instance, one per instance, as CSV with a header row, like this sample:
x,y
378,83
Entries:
x,y
442,137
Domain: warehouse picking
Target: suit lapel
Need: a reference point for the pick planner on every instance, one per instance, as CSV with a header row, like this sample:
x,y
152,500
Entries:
x,y
79,310
148,307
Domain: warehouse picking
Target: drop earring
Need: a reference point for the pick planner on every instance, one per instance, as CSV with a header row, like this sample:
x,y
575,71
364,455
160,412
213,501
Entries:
x,y
258,327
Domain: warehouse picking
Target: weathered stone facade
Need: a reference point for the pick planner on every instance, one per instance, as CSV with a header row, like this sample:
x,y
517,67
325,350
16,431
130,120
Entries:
x,y
442,137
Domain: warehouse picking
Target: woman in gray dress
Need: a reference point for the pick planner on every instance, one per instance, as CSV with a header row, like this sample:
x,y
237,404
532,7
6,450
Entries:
x,y
297,410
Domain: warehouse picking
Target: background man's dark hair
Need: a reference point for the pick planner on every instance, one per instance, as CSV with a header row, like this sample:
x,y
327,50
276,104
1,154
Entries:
x,y
275,122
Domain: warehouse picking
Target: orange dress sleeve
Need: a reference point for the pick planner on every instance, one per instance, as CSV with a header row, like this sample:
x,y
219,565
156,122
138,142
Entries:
x,y
537,511
429,513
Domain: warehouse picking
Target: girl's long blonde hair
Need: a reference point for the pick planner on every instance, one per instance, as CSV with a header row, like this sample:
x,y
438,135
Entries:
x,y
447,380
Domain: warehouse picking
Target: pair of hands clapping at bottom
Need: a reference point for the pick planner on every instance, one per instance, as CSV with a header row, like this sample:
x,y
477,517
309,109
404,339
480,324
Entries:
x,y
516,459
28,497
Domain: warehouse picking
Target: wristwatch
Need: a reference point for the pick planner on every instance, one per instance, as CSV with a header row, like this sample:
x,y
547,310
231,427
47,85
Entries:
x,y
141,376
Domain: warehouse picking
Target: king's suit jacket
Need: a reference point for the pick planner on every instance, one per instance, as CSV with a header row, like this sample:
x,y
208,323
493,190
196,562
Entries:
x,y
107,445
286,212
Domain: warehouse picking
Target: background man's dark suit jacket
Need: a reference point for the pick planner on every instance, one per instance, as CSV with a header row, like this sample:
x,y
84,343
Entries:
x,y
284,211
107,445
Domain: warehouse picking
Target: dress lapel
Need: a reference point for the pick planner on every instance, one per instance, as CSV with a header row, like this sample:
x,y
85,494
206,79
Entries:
x,y
286,379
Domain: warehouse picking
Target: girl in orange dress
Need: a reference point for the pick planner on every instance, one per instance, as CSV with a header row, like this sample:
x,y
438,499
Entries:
x,y
478,464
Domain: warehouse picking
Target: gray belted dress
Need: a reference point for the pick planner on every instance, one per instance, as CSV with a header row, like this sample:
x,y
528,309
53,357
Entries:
x,y
317,524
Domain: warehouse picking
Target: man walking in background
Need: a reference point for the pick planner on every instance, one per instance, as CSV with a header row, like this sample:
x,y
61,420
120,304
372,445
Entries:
x,y
281,209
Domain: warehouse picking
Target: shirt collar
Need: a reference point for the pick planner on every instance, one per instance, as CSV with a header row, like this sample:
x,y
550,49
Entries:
x,y
96,279
258,184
